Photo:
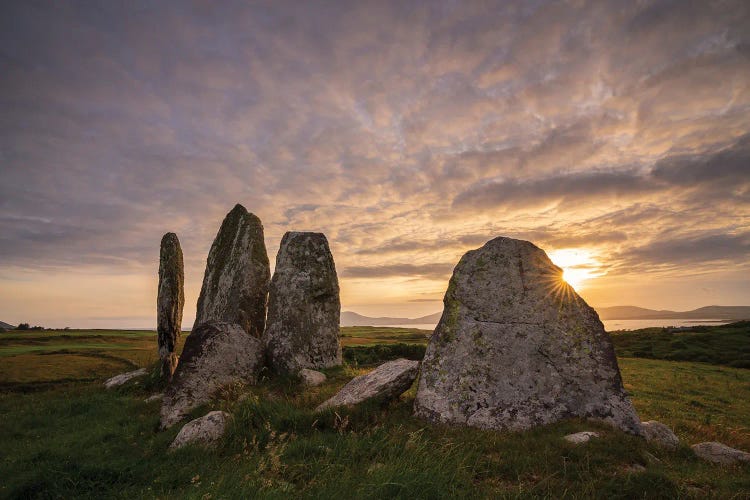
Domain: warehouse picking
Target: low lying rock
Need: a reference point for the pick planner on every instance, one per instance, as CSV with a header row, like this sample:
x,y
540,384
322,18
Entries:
x,y
581,437
154,397
122,378
216,355
656,432
720,453
387,381
312,378
206,430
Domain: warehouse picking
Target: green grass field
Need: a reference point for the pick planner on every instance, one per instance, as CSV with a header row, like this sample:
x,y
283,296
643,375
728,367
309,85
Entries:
x,y
62,435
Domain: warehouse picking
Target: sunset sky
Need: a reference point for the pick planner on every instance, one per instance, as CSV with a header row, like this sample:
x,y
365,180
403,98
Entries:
x,y
614,135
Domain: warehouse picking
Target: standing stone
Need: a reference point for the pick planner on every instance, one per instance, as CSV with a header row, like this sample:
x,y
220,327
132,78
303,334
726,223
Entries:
x,y
216,355
169,302
235,285
303,306
516,347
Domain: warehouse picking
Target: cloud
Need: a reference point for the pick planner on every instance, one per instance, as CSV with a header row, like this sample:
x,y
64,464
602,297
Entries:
x,y
437,271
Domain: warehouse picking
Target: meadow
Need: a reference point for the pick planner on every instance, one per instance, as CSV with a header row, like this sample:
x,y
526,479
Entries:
x,y
63,435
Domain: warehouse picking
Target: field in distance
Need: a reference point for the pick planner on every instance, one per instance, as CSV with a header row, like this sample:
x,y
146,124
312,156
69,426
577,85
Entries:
x,y
63,435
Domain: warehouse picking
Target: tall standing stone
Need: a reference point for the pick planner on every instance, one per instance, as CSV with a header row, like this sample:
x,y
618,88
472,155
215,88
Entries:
x,y
235,285
516,347
169,301
303,306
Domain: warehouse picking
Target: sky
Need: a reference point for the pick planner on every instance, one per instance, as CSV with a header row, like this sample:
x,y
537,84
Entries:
x,y
613,134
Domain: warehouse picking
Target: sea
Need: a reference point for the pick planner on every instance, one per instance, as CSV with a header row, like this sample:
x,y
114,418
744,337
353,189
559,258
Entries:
x,y
611,325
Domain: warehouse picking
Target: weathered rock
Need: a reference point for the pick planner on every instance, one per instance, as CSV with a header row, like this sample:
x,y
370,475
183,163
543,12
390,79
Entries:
x,y
169,301
312,378
581,437
660,434
122,378
154,397
215,355
516,347
720,453
206,430
235,285
303,306
385,382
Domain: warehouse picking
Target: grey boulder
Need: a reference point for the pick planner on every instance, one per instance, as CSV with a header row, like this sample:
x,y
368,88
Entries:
x,y
387,381
719,453
206,430
235,284
169,302
658,433
123,378
215,355
311,378
516,347
303,306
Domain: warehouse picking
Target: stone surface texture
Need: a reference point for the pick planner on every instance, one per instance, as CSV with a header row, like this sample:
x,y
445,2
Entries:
x,y
206,430
215,355
581,437
387,381
312,378
516,347
170,301
660,434
235,284
123,378
719,453
303,306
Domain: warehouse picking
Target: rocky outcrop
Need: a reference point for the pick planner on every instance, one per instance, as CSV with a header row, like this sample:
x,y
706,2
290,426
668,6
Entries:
x,y
387,381
303,306
123,378
660,434
718,453
581,437
235,285
311,378
516,347
206,430
215,355
169,302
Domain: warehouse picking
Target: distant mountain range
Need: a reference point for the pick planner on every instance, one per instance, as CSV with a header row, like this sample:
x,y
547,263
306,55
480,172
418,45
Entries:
x,y
349,318
7,326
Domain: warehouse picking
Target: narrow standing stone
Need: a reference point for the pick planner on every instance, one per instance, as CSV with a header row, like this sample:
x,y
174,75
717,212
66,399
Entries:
x,y
235,285
303,306
169,302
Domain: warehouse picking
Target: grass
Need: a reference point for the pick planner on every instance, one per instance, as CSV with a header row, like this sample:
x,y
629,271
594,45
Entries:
x,y
70,438
722,345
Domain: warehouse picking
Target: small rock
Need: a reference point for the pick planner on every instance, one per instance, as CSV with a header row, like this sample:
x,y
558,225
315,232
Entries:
x,y
660,434
387,381
122,378
581,437
720,453
154,397
633,469
206,430
312,378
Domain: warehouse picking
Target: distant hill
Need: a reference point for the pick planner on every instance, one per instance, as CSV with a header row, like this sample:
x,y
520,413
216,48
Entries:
x,y
708,312
349,318
6,326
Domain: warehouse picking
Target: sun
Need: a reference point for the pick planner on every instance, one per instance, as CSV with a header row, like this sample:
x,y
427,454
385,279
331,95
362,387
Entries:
x,y
578,265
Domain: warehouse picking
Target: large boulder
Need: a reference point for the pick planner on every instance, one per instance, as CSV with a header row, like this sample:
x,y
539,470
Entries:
x,y
169,302
303,306
235,285
387,381
215,356
719,453
516,347
205,431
